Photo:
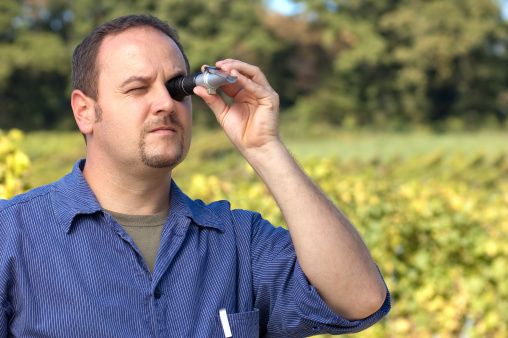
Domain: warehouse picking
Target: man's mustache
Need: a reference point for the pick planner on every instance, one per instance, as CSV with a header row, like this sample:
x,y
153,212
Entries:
x,y
165,121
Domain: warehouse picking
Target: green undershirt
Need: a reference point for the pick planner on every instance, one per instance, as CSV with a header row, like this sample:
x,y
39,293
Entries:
x,y
145,231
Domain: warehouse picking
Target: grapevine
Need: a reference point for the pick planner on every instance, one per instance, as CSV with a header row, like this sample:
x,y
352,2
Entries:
x,y
13,164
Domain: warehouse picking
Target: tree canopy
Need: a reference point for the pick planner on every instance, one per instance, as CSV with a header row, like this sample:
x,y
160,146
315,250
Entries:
x,y
345,62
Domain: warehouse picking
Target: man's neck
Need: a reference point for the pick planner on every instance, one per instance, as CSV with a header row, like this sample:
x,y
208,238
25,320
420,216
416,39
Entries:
x,y
141,191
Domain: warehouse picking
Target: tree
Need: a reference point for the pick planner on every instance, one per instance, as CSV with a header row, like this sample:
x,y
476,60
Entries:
x,y
33,67
411,61
344,62
38,38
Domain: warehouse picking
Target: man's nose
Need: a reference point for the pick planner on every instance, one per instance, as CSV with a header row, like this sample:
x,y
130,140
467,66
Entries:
x,y
163,102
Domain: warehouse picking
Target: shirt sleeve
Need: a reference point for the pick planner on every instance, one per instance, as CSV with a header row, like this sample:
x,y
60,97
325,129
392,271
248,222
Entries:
x,y
3,323
6,238
289,305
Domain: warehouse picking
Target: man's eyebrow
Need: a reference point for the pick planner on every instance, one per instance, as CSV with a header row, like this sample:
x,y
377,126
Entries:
x,y
141,78
135,78
181,72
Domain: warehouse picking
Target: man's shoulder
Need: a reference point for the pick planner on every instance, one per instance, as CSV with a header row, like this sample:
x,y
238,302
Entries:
x,y
24,199
19,213
34,196
220,214
223,209
251,221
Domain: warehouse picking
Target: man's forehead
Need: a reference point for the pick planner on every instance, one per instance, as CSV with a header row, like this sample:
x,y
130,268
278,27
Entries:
x,y
138,42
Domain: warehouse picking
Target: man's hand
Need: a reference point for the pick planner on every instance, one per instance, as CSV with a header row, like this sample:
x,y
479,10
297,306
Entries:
x,y
251,122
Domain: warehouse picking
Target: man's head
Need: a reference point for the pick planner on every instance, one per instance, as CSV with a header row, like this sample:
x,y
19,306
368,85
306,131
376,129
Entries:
x,y
122,105
85,69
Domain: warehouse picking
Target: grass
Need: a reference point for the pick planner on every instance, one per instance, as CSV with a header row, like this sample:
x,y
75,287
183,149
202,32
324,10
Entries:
x,y
386,146
53,153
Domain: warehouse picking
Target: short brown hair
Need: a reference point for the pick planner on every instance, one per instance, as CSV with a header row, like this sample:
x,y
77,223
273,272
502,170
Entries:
x,y
85,71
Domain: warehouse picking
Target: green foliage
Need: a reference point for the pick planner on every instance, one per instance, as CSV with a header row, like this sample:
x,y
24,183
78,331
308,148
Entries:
x,y
350,63
403,61
34,69
13,164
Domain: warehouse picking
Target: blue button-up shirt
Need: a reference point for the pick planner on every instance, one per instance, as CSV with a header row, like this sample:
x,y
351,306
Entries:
x,y
68,269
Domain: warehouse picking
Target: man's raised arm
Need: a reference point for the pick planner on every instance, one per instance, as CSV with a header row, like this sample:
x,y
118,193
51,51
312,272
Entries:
x,y
330,251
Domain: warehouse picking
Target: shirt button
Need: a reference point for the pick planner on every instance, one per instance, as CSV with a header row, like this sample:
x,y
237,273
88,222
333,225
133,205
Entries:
x,y
157,293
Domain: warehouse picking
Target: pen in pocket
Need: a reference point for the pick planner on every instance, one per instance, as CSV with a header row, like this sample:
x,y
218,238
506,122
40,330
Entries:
x,y
225,323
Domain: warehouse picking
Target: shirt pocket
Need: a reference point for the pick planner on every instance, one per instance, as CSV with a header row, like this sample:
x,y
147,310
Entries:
x,y
242,324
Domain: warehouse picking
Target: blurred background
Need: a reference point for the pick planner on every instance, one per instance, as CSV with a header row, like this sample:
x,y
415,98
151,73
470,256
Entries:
x,y
387,64
397,108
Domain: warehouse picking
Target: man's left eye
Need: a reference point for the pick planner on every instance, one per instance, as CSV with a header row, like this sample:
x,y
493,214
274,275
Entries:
x,y
133,90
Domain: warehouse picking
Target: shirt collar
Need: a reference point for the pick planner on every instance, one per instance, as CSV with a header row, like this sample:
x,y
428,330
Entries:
x,y
72,196
196,210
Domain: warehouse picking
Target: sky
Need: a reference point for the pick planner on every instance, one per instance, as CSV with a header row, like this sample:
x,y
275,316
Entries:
x,y
504,8
288,7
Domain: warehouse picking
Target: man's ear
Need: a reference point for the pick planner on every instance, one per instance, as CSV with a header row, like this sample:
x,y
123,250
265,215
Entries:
x,y
84,111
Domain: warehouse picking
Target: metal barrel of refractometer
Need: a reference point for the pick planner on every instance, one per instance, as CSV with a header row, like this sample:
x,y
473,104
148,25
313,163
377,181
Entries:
x,y
182,86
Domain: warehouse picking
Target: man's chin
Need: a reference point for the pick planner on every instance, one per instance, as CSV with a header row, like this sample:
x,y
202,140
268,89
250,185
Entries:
x,y
156,154
160,162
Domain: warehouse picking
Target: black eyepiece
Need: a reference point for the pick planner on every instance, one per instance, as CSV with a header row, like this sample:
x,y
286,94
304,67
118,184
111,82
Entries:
x,y
182,86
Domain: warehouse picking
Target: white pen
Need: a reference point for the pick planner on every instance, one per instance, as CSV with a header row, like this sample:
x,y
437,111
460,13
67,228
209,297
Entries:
x,y
225,323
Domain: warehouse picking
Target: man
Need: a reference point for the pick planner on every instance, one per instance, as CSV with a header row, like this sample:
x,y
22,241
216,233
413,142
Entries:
x,y
115,249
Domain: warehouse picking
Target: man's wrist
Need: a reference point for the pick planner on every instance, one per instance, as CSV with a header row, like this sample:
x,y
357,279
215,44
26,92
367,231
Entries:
x,y
266,153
